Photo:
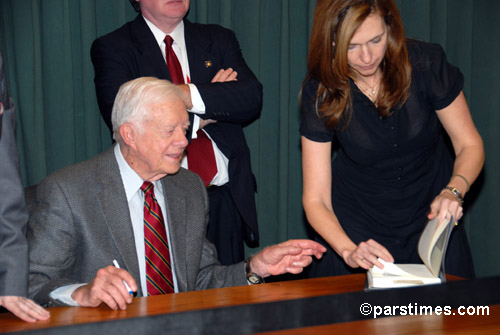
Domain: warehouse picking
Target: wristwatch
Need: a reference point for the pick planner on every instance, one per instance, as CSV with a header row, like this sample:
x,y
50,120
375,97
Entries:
x,y
252,277
456,193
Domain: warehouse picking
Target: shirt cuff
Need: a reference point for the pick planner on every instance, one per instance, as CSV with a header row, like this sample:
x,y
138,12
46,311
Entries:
x,y
196,100
63,294
195,127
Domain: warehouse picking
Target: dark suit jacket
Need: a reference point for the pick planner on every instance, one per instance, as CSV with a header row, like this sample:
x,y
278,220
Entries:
x,y
13,213
81,222
132,51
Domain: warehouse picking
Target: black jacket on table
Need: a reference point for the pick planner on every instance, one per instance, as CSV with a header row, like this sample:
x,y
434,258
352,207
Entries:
x,y
131,52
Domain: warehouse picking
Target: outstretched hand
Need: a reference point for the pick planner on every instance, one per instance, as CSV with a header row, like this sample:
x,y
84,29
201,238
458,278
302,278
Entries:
x,y
24,308
291,256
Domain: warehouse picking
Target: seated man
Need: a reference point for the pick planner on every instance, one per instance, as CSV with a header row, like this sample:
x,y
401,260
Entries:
x,y
134,204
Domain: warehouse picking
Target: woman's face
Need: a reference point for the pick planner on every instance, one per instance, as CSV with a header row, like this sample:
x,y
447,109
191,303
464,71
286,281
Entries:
x,y
367,47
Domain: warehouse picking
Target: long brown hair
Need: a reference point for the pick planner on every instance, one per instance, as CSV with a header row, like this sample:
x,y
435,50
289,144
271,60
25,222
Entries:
x,y
336,21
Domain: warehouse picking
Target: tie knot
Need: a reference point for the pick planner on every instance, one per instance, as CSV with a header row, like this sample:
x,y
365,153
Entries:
x,y
147,187
168,41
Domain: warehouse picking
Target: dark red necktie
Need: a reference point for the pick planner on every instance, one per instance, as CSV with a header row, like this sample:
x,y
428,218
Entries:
x,y
174,67
158,269
200,151
201,158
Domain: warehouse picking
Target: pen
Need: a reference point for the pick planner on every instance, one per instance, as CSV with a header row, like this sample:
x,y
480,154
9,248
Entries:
x,y
115,263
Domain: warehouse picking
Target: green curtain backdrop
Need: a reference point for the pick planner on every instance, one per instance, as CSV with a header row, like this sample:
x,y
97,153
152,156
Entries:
x,y
45,45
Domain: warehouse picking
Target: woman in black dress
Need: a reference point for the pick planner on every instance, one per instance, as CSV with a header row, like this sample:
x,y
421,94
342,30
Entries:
x,y
389,104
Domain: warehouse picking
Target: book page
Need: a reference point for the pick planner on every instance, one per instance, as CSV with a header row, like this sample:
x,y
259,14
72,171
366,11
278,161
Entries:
x,y
390,269
400,275
432,242
401,270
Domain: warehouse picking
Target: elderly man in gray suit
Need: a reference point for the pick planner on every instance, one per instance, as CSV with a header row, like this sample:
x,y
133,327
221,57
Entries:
x,y
13,218
94,212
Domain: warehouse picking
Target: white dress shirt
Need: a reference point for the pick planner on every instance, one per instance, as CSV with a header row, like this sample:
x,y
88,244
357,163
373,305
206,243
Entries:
x,y
135,198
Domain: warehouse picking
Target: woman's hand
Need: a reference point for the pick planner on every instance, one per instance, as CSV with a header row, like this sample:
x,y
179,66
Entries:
x,y
365,255
445,205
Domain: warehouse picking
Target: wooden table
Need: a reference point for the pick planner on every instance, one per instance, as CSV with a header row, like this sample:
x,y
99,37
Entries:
x,y
405,325
298,290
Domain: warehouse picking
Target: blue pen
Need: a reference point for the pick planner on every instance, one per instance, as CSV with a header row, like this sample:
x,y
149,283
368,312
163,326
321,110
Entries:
x,y
115,263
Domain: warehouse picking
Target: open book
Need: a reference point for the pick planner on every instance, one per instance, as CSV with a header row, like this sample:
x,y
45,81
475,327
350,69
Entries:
x,y
431,249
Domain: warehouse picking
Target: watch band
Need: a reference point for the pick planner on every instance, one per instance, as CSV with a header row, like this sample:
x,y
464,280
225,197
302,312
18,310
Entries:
x,y
456,192
252,277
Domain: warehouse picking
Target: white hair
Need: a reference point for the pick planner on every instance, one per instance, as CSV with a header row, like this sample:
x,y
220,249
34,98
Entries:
x,y
133,97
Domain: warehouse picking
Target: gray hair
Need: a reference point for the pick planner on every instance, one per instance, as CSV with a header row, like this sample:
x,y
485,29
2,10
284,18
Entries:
x,y
133,97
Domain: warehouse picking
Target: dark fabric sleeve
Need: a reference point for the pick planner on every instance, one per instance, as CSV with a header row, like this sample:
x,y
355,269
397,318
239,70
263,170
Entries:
x,y
440,80
111,71
311,125
52,241
237,101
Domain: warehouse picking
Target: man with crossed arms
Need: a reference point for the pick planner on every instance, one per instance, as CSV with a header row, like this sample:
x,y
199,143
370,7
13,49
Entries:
x,y
91,213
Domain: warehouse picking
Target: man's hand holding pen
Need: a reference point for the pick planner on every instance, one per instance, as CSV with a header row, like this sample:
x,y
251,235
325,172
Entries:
x,y
107,287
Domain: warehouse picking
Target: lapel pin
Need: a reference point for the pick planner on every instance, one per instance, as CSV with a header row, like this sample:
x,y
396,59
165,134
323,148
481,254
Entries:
x,y
208,63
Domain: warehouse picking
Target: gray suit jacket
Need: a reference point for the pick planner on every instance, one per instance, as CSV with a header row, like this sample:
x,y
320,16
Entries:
x,y
81,222
13,214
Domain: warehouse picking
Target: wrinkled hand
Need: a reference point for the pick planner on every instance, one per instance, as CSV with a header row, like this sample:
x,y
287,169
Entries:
x,y
444,206
366,255
107,287
225,75
290,256
24,308
185,95
220,77
203,122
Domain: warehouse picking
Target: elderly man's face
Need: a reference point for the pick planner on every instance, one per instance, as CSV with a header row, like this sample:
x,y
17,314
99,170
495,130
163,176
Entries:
x,y
161,140
160,10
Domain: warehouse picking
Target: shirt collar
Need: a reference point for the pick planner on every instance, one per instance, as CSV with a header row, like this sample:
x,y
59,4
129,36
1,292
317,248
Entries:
x,y
132,182
177,34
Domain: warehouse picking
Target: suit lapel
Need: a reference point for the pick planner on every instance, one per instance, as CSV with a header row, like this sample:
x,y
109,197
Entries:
x,y
197,47
150,54
176,204
114,206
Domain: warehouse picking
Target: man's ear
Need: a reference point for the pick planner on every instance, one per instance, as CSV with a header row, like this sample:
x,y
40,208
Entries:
x,y
128,133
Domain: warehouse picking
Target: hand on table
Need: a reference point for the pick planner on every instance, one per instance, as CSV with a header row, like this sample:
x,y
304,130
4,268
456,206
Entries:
x,y
24,308
366,255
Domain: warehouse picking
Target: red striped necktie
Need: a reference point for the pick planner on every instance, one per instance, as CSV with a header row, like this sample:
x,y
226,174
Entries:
x,y
158,269
200,152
